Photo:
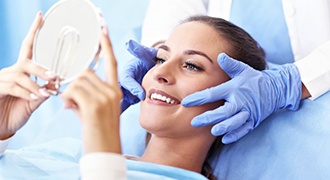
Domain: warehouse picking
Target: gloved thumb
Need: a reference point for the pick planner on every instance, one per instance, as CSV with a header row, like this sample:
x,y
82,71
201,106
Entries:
x,y
231,66
140,51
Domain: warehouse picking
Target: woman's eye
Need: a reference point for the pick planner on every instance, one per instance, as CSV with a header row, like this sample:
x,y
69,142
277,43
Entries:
x,y
192,67
158,60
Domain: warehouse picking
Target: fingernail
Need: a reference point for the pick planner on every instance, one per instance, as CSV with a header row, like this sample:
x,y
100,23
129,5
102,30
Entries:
x,y
39,13
33,96
105,30
74,106
50,74
44,92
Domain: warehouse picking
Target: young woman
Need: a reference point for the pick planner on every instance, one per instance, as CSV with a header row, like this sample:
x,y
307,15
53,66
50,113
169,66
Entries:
x,y
185,63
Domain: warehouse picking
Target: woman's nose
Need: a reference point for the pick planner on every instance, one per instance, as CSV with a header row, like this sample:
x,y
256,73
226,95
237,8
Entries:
x,y
164,73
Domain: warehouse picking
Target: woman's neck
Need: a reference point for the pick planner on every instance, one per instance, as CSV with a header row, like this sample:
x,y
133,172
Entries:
x,y
185,153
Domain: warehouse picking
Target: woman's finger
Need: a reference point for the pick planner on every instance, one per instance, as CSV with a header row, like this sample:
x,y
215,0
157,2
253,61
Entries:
x,y
74,96
99,85
17,76
110,60
16,91
27,44
31,68
34,69
82,92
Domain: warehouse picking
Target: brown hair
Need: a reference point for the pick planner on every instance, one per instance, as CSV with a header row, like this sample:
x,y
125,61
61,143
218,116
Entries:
x,y
241,47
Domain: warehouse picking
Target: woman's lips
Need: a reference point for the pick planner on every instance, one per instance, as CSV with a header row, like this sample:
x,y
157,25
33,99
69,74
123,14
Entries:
x,y
163,97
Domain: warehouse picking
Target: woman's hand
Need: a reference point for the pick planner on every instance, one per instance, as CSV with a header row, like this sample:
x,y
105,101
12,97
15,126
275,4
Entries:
x,y
97,103
19,95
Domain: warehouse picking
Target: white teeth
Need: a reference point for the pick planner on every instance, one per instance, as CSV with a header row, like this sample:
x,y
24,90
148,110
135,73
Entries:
x,y
162,98
168,100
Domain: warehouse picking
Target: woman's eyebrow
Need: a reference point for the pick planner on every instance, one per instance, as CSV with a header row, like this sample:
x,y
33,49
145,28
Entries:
x,y
188,52
193,52
166,48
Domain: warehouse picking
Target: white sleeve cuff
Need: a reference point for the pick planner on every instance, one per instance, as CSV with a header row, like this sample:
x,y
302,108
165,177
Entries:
x,y
3,145
314,70
103,166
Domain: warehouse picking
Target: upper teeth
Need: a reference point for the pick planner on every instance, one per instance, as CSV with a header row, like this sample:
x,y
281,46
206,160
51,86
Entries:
x,y
162,98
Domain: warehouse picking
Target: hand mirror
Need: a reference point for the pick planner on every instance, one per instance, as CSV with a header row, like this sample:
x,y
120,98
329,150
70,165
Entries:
x,y
68,40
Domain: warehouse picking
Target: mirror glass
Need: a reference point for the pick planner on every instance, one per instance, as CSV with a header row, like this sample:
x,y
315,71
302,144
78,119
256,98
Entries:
x,y
68,40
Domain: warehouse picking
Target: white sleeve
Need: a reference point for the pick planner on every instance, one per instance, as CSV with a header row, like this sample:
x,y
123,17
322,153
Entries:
x,y
103,166
3,145
314,70
163,15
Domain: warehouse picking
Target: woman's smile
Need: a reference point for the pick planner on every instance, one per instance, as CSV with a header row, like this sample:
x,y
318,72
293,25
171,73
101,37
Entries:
x,y
161,98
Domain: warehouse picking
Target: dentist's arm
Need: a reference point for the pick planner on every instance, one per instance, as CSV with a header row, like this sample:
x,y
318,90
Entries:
x,y
315,71
251,96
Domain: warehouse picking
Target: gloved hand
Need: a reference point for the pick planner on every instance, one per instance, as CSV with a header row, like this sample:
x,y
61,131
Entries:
x,y
130,79
251,96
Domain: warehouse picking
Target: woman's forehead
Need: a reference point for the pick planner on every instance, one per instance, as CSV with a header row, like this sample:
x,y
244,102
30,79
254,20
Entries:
x,y
195,29
197,36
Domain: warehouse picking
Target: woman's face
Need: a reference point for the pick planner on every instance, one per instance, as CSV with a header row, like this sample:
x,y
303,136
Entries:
x,y
187,63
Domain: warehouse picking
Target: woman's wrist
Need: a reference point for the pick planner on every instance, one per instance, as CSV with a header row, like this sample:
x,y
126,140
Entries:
x,y
101,137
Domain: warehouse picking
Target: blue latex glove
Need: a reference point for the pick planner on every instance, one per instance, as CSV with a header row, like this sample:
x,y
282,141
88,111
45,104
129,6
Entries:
x,y
130,79
251,96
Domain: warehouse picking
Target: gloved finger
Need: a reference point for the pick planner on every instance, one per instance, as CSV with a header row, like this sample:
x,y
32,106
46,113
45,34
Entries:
x,y
231,66
235,135
128,100
215,116
133,87
216,93
124,104
230,124
140,51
